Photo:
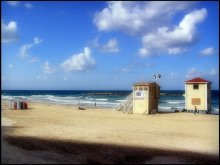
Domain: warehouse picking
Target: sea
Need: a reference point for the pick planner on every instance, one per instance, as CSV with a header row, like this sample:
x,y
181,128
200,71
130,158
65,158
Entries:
x,y
170,100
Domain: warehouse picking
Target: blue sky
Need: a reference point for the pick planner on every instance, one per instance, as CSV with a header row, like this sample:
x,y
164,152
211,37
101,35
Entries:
x,y
108,45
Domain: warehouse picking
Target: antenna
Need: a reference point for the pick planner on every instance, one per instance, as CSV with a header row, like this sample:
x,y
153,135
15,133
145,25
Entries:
x,y
157,76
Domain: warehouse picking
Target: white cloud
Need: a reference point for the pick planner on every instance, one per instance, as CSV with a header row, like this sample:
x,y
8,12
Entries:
x,y
212,72
16,3
10,66
28,5
111,46
171,76
193,72
79,62
95,42
173,41
135,17
144,53
37,40
176,50
47,68
153,19
32,59
133,66
123,70
24,50
207,51
9,32
13,3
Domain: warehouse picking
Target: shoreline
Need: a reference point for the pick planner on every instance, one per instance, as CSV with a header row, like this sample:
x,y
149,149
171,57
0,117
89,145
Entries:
x,y
63,104
160,110
65,130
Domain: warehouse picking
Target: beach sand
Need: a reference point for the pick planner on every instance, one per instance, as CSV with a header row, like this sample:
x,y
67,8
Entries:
x,y
49,133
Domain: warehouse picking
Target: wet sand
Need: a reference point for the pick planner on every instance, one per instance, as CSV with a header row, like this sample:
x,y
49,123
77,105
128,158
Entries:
x,y
49,133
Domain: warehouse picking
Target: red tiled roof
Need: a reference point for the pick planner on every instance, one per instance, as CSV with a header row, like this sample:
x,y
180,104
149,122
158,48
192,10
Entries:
x,y
197,80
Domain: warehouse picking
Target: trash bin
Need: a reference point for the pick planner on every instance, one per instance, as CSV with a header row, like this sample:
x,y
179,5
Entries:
x,y
18,105
22,105
15,105
11,105
25,105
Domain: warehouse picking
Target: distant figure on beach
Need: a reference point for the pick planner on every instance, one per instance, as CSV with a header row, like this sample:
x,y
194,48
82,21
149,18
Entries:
x,y
95,104
11,104
195,110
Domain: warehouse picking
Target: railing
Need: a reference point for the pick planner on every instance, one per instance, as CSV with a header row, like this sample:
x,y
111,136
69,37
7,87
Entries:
x,y
127,105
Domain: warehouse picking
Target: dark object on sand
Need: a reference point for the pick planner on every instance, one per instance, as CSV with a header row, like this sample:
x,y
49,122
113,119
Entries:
x,y
177,110
184,110
81,108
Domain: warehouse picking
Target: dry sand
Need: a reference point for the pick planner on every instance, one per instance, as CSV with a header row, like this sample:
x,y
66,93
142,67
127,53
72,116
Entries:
x,y
48,133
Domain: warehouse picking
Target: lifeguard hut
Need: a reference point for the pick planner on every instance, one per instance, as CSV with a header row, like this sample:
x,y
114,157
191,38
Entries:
x,y
145,97
198,95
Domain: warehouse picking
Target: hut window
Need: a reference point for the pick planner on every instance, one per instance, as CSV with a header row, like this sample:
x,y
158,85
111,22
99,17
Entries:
x,y
140,88
145,88
138,93
195,86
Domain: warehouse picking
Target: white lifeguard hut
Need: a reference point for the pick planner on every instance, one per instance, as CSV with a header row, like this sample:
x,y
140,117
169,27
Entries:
x,y
145,97
198,95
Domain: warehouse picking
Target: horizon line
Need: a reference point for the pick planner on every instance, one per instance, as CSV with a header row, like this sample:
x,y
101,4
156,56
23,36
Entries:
x,y
91,89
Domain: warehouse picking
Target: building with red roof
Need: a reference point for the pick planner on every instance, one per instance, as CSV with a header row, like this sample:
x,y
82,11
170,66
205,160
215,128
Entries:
x,y
198,95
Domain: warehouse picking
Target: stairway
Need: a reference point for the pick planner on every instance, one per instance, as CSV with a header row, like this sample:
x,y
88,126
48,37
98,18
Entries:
x,y
127,105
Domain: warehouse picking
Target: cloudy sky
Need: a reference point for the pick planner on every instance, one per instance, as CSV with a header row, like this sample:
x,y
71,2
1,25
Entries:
x,y
108,45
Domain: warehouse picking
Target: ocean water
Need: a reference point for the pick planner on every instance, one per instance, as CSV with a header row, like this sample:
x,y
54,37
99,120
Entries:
x,y
169,99
108,99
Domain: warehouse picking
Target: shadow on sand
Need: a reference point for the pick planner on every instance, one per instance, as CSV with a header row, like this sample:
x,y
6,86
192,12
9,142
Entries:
x,y
95,153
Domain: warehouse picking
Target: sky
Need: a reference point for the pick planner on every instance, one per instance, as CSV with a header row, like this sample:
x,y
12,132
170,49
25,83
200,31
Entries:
x,y
108,45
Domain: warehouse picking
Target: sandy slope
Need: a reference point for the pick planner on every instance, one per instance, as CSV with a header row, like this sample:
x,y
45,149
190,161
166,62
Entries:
x,y
58,123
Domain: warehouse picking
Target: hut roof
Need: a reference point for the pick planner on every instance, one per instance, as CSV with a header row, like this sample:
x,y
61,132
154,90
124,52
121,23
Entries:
x,y
197,80
144,83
